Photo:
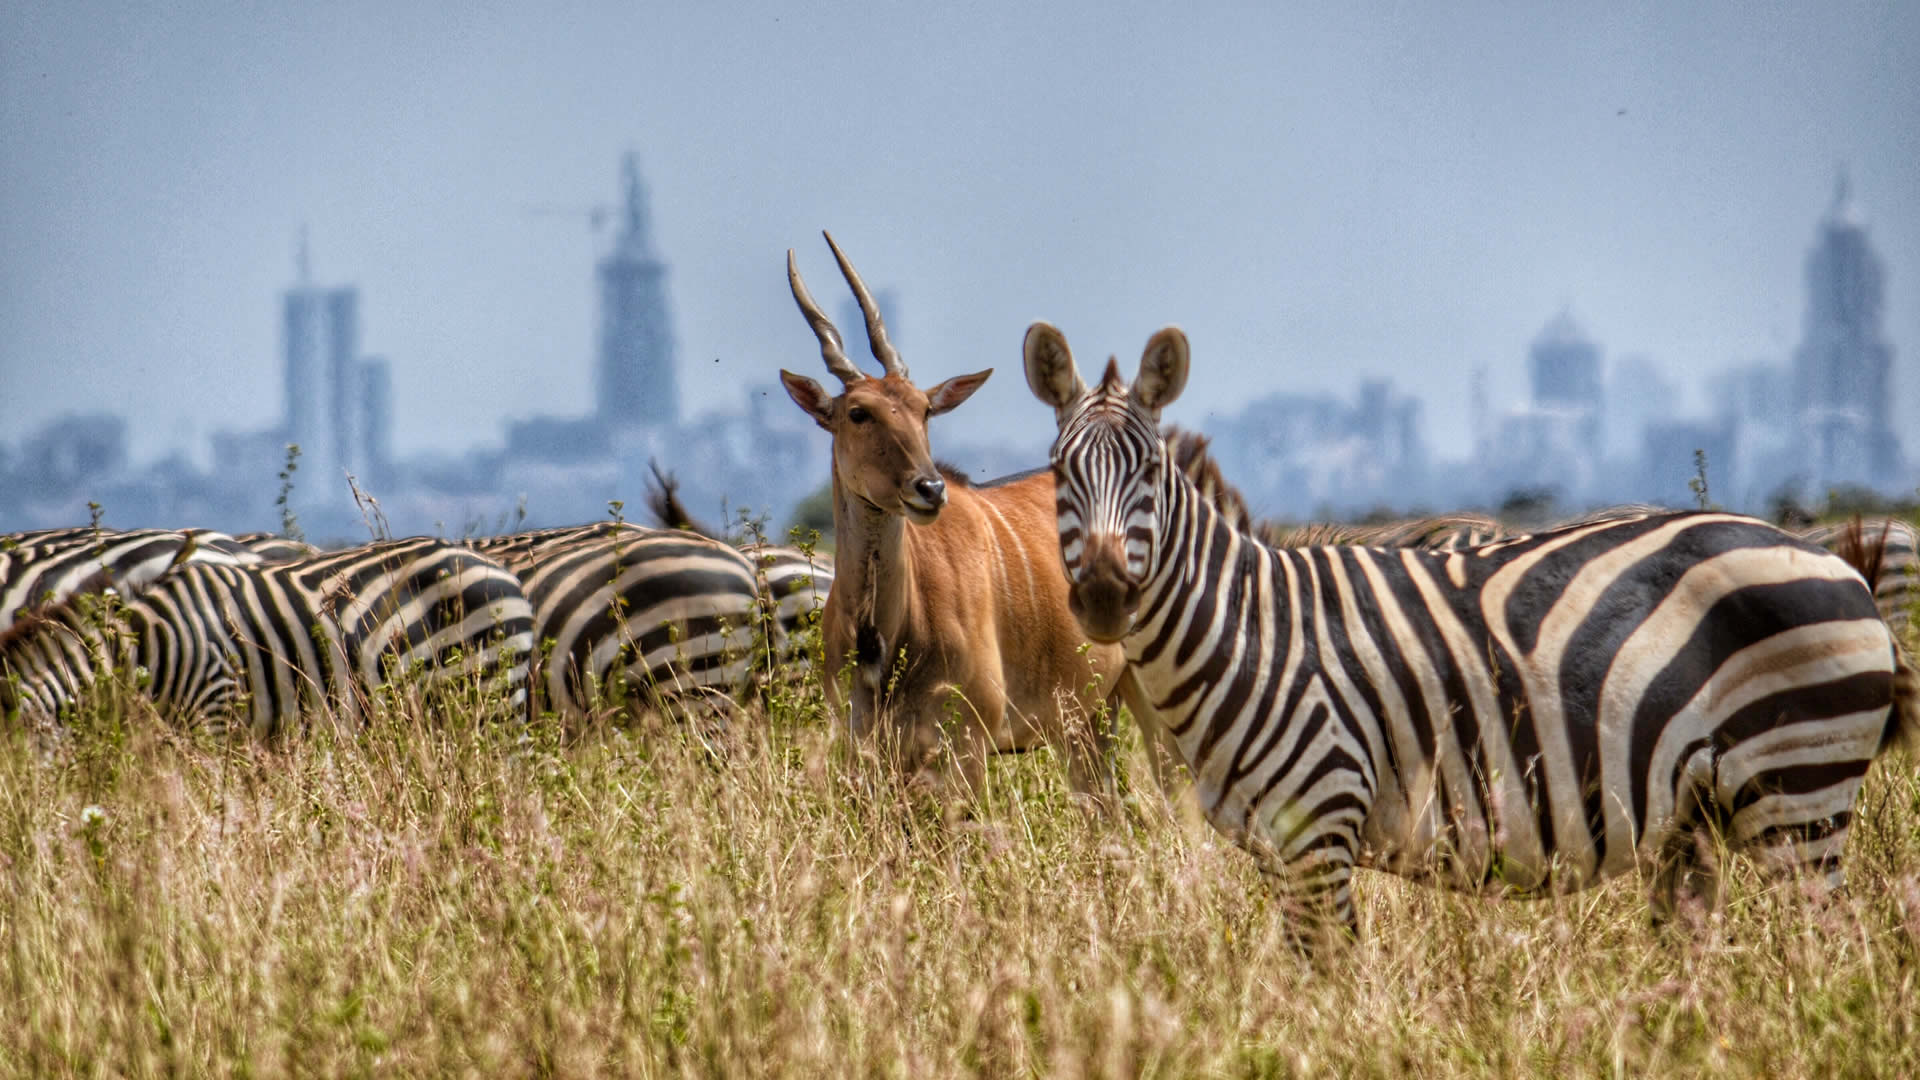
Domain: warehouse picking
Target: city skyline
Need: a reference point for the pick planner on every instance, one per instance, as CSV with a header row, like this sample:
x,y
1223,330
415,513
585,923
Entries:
x,y
1586,433
1311,195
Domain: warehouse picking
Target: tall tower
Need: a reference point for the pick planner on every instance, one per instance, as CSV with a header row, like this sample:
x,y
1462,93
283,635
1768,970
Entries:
x,y
636,382
1564,369
1842,369
321,347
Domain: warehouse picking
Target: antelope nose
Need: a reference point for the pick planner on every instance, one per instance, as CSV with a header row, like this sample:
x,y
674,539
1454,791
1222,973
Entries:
x,y
931,488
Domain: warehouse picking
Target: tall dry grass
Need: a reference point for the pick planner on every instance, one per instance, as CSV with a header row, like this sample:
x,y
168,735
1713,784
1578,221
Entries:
x,y
432,898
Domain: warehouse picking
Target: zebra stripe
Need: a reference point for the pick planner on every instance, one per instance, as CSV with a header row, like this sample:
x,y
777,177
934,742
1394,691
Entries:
x,y
1536,714
794,584
49,565
664,611
265,645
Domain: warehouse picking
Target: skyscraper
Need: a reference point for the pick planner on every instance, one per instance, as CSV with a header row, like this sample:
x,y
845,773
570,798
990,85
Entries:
x,y
1563,366
321,347
636,384
1842,369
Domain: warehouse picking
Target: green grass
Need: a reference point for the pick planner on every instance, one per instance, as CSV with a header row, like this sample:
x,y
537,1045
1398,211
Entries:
x,y
433,899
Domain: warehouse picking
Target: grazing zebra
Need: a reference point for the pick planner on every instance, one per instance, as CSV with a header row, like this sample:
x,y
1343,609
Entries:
x,y
794,583
667,612
1535,714
272,547
45,566
1899,582
263,645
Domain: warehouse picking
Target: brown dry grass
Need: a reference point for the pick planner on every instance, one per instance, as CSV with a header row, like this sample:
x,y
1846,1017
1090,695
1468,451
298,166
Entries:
x,y
428,899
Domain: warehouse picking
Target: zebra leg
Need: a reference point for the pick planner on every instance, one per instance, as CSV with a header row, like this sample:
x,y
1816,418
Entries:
x,y
1314,890
1686,864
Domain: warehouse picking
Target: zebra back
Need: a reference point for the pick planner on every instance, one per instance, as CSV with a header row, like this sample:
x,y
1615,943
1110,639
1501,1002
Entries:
x,y
794,583
48,565
665,613
267,645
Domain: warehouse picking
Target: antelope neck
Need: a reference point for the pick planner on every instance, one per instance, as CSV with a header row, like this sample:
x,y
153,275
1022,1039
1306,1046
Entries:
x,y
871,560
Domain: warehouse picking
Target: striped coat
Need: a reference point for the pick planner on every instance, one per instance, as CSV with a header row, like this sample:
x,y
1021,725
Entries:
x,y
266,646
662,614
1534,714
49,565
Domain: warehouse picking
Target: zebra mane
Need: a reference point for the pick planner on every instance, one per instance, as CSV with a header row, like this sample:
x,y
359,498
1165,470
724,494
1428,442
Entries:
x,y
1188,452
1869,556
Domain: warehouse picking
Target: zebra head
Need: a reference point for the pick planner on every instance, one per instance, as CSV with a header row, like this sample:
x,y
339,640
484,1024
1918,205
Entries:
x,y
1108,466
879,426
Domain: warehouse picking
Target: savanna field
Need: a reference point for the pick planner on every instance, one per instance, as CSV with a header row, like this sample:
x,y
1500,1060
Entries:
x,y
437,897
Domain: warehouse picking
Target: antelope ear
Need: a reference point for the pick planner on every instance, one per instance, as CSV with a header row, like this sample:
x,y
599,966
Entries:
x,y
811,396
948,395
1050,371
1163,370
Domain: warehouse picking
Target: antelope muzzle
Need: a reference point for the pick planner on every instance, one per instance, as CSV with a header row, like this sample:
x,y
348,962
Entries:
x,y
1104,596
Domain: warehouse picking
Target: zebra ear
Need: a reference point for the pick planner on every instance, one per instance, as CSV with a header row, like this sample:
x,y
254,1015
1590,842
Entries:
x,y
1050,371
1163,370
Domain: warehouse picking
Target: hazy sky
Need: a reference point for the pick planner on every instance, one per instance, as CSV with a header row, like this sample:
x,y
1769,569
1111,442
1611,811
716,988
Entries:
x,y
1406,190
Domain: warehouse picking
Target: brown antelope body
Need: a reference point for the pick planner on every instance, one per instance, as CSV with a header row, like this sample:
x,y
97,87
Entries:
x,y
948,604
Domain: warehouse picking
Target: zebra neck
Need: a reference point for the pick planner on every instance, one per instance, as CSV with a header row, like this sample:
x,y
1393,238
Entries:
x,y
1185,601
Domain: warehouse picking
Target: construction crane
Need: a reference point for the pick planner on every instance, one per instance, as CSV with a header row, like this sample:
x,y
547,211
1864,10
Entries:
x,y
597,215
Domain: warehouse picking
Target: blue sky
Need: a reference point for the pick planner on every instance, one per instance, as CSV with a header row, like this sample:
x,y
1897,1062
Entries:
x,y
1384,189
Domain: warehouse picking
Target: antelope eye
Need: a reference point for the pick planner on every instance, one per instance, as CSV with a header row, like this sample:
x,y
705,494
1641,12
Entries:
x,y
858,415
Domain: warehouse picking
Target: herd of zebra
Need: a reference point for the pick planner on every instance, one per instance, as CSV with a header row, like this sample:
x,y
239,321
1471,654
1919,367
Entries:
x,y
1439,698
271,633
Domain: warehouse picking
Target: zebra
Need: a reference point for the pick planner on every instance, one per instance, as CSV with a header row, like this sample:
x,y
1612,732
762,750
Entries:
x,y
676,614
266,644
1527,716
795,582
47,565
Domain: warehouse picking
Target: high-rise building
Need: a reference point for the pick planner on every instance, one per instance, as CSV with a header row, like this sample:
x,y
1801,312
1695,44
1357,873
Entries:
x,y
321,347
374,421
1563,367
1842,369
637,385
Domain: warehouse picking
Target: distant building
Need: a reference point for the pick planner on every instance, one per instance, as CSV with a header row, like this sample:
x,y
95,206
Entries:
x,y
1553,443
1842,370
1563,370
1670,464
637,384
321,351
1638,394
339,406
1304,455
72,454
